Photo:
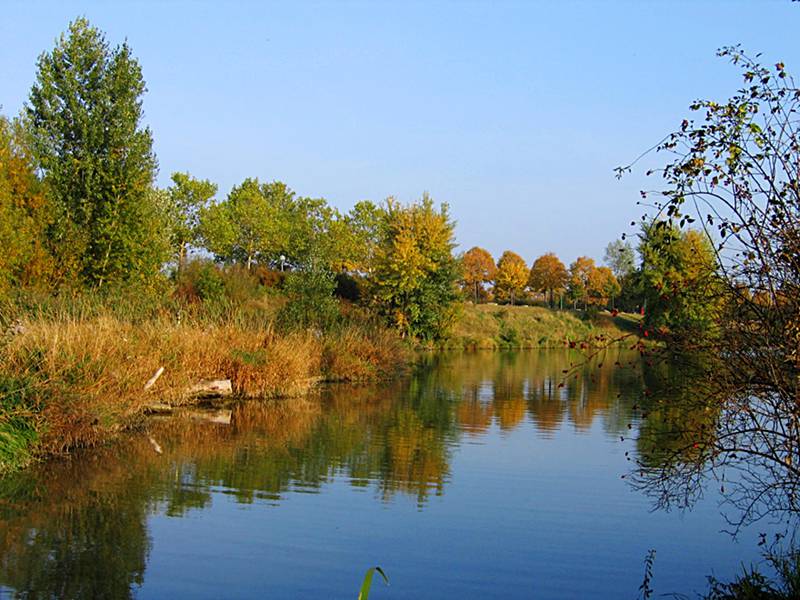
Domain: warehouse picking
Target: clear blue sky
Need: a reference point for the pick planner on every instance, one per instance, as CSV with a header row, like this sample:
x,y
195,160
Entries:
x,y
513,113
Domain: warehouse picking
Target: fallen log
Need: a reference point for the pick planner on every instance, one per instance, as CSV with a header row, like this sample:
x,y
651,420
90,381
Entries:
x,y
212,388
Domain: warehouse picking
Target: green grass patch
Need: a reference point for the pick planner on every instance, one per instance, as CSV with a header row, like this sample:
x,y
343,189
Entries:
x,y
489,326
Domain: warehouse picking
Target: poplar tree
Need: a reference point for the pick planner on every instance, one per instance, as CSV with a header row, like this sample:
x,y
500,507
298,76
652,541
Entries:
x,y
85,112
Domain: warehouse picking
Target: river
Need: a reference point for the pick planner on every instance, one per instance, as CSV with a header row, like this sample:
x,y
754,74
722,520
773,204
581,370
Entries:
x,y
477,477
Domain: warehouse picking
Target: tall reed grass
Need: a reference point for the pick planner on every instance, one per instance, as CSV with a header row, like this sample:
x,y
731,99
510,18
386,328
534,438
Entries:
x,y
74,373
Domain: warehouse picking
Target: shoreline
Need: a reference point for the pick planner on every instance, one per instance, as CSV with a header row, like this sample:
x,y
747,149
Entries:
x,y
72,382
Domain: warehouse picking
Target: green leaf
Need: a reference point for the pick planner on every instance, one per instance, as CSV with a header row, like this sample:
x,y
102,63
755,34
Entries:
x,y
367,583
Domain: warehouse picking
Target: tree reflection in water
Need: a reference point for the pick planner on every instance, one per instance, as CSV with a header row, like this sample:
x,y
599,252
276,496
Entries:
x,y
79,527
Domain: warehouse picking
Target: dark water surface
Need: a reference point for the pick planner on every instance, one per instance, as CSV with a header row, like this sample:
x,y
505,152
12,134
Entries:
x,y
479,477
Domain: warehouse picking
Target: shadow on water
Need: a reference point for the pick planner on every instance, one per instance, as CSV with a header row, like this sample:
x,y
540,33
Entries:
x,y
79,527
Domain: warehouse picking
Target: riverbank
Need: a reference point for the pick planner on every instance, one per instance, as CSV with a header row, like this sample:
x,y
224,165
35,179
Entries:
x,y
76,375
492,326
72,381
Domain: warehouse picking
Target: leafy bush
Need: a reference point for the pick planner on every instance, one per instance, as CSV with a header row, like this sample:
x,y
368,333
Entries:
x,y
310,301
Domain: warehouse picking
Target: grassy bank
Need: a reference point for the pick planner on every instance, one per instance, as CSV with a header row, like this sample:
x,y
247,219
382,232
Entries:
x,y
490,326
74,370
72,378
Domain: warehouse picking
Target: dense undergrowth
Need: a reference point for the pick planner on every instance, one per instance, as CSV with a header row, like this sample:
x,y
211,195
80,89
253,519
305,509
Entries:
x,y
75,364
74,367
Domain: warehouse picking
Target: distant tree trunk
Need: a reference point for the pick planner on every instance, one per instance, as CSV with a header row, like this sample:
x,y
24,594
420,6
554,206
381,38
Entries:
x,y
181,256
476,292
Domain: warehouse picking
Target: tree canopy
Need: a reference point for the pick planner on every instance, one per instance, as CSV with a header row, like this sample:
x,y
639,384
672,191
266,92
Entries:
x,y
511,277
85,113
620,258
679,282
187,196
415,274
548,275
478,268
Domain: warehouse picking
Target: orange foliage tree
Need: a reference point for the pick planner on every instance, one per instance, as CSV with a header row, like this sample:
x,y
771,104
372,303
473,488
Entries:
x,y
478,268
25,213
547,275
580,273
603,286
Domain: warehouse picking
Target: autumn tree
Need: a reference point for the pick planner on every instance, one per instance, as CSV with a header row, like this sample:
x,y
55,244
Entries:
x,y
25,214
580,273
602,286
187,196
548,275
511,277
478,268
85,113
414,278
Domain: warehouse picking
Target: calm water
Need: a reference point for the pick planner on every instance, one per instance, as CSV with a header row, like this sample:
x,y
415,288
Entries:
x,y
479,477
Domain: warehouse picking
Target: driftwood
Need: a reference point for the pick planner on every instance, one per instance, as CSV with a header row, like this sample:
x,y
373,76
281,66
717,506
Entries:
x,y
206,389
212,388
154,378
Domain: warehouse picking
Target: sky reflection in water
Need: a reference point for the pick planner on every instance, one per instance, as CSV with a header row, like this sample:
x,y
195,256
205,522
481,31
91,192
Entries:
x,y
477,477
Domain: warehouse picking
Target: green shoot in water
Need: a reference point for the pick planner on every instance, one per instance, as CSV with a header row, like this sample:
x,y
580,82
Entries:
x,y
367,583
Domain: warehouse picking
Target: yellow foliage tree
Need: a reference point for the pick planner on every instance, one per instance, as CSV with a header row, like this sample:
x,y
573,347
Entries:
x,y
511,277
415,274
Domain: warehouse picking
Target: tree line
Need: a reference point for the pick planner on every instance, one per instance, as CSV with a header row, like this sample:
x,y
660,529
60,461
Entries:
x,y
673,283
79,209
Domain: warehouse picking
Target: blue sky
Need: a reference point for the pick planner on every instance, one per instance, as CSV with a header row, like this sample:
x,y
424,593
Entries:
x,y
514,113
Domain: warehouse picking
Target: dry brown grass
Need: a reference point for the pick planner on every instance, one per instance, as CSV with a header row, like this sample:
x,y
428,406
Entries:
x,y
364,354
85,377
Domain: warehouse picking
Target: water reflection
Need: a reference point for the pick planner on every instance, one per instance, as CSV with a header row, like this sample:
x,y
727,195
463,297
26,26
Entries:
x,y
78,528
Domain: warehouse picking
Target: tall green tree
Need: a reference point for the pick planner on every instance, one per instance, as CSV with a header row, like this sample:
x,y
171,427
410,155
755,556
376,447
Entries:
x,y
187,196
363,225
620,258
267,223
85,111
679,280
